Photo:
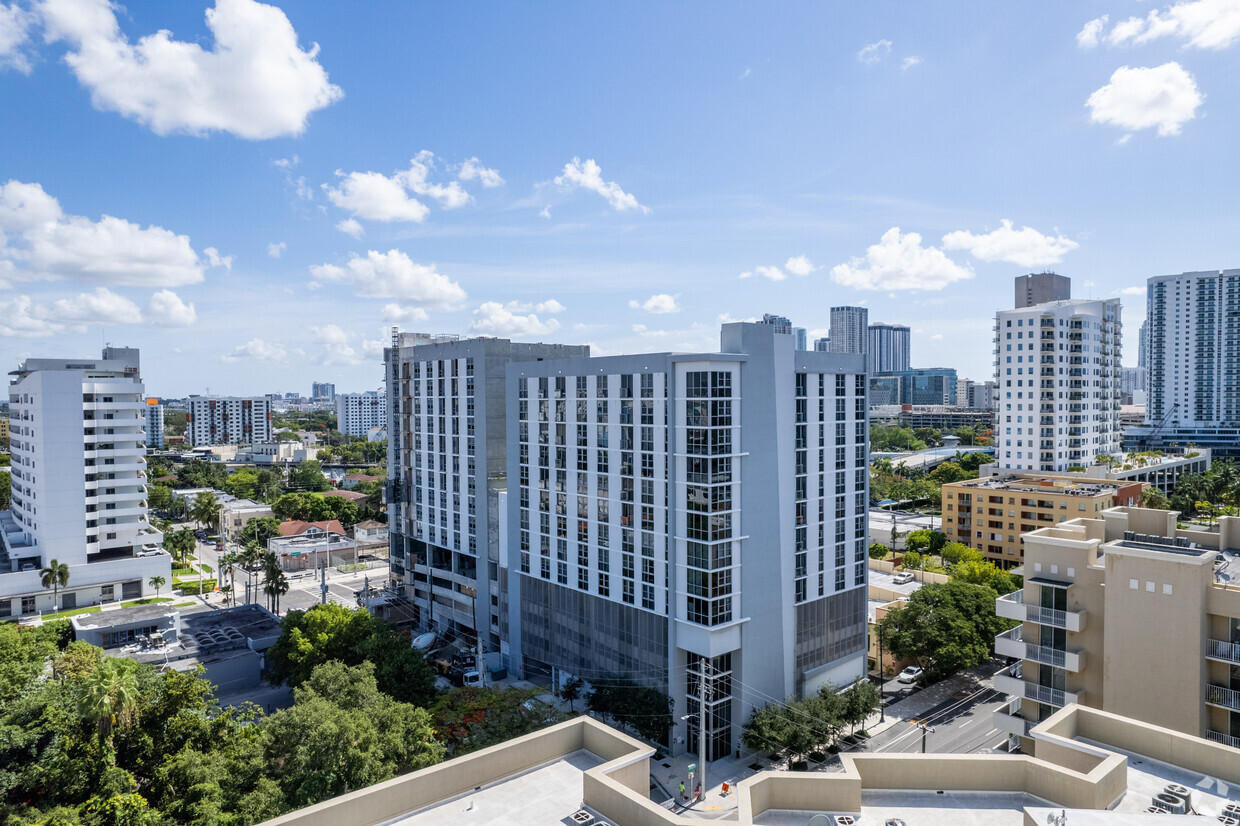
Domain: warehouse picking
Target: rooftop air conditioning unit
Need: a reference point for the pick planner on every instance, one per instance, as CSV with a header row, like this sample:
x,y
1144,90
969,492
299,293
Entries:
x,y
1182,792
1170,803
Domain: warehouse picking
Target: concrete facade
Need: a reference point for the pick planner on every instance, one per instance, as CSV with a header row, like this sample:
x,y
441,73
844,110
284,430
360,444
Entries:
x,y
710,507
214,420
1126,613
1041,287
889,348
849,330
78,485
357,413
995,513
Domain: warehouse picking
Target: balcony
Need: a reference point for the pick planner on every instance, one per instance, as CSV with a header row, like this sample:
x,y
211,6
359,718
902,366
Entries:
x,y
1018,688
1069,660
1011,606
1219,737
1009,644
1228,652
1218,695
1010,720
1069,620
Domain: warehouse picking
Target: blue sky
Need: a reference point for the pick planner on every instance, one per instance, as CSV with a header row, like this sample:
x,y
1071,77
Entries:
x,y
282,184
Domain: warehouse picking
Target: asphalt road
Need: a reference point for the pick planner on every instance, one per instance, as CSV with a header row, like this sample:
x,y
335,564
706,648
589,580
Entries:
x,y
962,724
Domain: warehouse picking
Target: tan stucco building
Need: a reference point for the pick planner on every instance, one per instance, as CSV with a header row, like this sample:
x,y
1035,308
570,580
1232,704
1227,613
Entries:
x,y
991,513
1126,613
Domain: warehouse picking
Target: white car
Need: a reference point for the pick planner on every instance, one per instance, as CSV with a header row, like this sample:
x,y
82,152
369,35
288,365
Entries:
x,y
910,674
903,578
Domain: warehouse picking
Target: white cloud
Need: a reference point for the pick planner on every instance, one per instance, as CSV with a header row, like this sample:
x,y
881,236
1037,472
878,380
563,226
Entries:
x,y
393,275
41,242
394,313
1201,24
548,307
473,169
589,175
19,316
256,82
1165,96
351,226
15,26
874,52
1141,291
100,307
336,346
276,250
168,310
545,212
1025,246
773,273
493,318
909,62
374,196
658,304
214,259
748,71
1087,37
900,262
799,265
257,350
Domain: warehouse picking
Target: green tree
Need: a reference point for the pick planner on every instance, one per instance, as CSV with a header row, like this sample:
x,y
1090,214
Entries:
x,y
572,691
109,697
956,552
157,582
878,550
159,497
308,476
948,472
645,710
860,700
275,583
333,632
470,718
931,436
985,572
944,627
206,509
6,490
54,576
1152,497
180,544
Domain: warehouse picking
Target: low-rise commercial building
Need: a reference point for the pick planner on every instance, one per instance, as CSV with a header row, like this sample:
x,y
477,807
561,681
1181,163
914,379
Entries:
x,y
235,515
993,513
1125,612
305,545
1155,468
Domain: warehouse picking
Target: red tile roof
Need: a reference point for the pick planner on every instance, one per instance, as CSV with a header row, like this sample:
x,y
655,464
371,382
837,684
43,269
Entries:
x,y
296,527
351,495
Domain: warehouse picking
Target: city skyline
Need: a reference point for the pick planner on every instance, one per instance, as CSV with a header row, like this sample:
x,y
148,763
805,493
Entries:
x,y
271,231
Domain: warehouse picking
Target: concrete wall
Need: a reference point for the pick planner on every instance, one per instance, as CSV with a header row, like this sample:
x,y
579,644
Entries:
x,y
1179,749
800,792
891,567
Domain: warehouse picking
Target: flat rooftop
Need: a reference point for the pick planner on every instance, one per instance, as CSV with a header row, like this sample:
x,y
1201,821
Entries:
x,y
1051,485
885,580
550,794
924,808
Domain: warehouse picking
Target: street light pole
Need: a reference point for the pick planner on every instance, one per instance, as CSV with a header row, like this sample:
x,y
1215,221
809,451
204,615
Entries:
x,y
702,725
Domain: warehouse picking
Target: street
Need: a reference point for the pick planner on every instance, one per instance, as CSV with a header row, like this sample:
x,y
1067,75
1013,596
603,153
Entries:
x,y
962,724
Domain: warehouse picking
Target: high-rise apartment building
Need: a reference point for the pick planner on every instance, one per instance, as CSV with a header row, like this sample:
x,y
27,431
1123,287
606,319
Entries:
x,y
889,348
78,484
447,466
1057,376
153,422
1193,362
1041,287
822,345
1124,612
849,329
216,420
782,324
1143,345
357,413
923,386
322,392
802,337
670,514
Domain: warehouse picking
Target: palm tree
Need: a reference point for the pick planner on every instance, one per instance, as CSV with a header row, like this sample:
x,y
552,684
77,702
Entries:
x,y
157,582
251,562
179,544
110,696
206,510
275,584
55,576
227,563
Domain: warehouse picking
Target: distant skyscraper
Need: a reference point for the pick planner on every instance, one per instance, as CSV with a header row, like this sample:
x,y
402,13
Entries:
x,y
801,337
822,345
779,322
849,329
357,413
322,391
212,420
1058,384
153,419
888,348
1143,345
1041,287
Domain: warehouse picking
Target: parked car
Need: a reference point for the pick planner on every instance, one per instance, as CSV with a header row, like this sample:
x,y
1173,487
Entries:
x,y
903,578
910,674
471,678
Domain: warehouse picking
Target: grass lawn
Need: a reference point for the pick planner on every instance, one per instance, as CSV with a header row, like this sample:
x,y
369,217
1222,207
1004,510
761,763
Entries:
x,y
94,609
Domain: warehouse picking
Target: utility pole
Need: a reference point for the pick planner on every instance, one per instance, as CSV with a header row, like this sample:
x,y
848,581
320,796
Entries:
x,y
323,581
702,734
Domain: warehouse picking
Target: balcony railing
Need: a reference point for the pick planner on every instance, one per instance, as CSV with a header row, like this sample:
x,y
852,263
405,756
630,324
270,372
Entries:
x,y
1221,650
1060,658
1069,620
1218,695
1019,688
1009,644
1219,737
1010,719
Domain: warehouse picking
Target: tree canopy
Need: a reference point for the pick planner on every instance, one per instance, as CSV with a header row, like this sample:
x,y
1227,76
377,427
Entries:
x,y
945,627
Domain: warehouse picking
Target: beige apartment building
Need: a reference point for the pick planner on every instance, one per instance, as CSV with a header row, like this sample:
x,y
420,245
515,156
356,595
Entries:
x,y
1127,613
991,513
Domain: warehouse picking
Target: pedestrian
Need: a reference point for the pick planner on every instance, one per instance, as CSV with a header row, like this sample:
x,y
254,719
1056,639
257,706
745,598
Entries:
x,y
682,790
697,793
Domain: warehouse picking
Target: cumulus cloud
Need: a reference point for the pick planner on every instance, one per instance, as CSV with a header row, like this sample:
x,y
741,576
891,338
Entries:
x,y
874,52
773,273
1025,246
1165,97
23,315
658,304
336,346
909,62
374,196
578,174
1088,36
255,81
473,170
41,242
168,310
257,350
15,26
276,250
393,275
899,262
395,313
493,318
1200,24
799,265
351,226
